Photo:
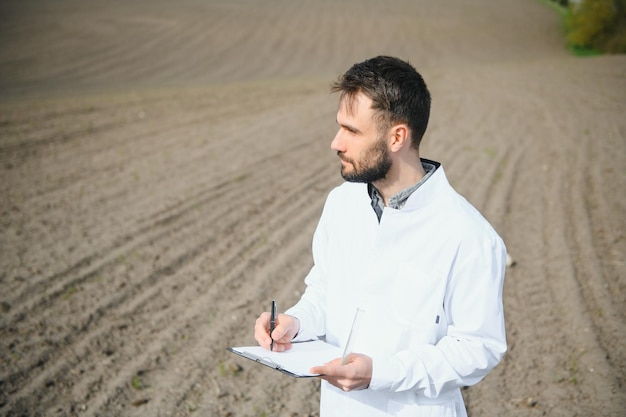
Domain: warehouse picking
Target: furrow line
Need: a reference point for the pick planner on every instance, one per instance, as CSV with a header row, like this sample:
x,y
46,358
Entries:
x,y
20,145
173,131
130,242
54,286
496,204
155,277
607,323
127,64
186,45
214,288
577,331
191,204
203,349
114,61
159,219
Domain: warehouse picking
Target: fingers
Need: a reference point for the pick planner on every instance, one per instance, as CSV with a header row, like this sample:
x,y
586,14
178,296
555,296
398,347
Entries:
x,y
286,329
330,368
355,374
261,330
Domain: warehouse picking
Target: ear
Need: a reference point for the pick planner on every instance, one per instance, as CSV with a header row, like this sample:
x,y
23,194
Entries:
x,y
398,137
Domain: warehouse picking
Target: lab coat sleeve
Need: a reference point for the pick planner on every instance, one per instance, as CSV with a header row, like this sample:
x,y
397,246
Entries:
x,y
475,340
311,308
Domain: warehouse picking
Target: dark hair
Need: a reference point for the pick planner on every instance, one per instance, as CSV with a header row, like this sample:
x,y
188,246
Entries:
x,y
398,93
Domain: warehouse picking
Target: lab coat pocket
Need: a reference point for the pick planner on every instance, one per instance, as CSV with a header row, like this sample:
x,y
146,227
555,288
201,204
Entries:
x,y
419,332
418,304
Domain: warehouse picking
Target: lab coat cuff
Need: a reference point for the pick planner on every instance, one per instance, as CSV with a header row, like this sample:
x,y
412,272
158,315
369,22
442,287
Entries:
x,y
305,323
384,373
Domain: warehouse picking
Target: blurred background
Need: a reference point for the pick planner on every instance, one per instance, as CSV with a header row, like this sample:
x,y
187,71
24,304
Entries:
x,y
163,166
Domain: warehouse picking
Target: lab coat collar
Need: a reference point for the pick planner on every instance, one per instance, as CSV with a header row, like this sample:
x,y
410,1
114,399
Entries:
x,y
428,191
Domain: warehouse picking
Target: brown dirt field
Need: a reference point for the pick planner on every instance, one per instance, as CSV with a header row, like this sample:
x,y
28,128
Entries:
x,y
163,166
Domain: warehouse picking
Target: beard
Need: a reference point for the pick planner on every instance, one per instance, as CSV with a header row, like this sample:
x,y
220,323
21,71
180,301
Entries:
x,y
372,167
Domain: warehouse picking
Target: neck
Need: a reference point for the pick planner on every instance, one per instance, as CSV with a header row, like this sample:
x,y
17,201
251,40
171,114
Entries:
x,y
402,174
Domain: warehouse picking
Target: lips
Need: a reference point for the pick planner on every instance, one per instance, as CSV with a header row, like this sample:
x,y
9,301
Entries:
x,y
344,159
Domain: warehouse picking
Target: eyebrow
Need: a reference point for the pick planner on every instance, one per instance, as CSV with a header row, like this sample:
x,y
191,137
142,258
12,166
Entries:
x,y
349,127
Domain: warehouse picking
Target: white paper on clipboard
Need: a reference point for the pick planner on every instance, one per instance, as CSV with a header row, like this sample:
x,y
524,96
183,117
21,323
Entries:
x,y
295,362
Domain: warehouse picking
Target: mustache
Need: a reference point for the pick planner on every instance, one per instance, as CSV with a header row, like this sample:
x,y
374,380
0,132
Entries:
x,y
343,158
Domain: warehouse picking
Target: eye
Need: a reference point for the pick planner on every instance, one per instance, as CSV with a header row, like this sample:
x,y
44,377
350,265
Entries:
x,y
350,130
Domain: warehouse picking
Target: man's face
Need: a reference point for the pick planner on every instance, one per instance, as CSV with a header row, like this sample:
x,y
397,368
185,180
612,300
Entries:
x,y
363,152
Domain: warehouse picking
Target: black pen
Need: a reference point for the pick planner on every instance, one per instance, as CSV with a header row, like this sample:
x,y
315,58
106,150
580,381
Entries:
x,y
272,323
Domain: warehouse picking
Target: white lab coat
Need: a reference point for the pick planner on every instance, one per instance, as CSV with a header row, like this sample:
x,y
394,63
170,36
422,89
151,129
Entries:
x,y
429,278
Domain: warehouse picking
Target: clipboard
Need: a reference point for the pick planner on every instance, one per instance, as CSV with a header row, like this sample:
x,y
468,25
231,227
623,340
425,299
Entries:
x,y
295,362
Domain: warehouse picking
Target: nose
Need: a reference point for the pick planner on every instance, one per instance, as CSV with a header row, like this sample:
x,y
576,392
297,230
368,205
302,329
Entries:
x,y
337,143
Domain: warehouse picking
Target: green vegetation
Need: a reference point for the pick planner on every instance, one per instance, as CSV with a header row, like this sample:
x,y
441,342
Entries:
x,y
70,291
137,382
598,25
594,26
229,369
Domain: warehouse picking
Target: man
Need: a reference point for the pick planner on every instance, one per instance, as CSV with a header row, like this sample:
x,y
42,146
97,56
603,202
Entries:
x,y
398,243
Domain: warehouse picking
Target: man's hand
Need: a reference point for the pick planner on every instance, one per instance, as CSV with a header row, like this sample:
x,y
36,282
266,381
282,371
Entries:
x,y
286,329
355,374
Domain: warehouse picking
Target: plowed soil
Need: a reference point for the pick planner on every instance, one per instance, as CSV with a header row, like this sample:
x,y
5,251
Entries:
x,y
163,166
